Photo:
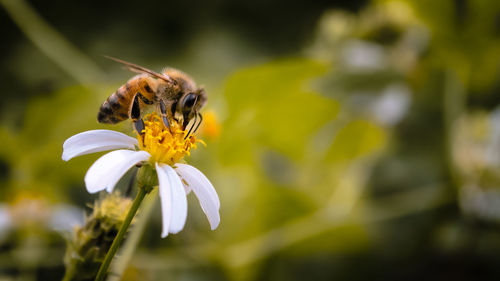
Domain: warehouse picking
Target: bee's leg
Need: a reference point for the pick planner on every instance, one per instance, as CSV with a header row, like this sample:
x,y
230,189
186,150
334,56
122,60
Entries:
x,y
135,115
192,126
163,110
185,120
139,126
173,107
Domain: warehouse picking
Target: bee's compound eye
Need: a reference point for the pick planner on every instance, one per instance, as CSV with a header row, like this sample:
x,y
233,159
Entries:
x,y
189,101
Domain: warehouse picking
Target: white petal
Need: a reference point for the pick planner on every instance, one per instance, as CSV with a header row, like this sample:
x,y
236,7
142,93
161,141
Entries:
x,y
95,141
178,196
192,175
204,190
107,170
165,199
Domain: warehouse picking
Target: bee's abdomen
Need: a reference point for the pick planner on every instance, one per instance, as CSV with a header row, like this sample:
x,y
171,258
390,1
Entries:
x,y
116,107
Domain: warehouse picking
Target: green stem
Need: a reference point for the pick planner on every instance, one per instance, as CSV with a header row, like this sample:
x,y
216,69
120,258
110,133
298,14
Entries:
x,y
133,238
121,234
70,272
52,43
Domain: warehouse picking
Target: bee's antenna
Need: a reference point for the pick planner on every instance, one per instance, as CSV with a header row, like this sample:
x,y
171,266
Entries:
x,y
137,68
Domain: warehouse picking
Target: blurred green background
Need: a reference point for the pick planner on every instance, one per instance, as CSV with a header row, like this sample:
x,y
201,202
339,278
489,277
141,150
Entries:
x,y
347,140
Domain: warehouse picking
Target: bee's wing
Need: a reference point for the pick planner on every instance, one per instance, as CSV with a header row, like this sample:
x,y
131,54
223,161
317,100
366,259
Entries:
x,y
139,69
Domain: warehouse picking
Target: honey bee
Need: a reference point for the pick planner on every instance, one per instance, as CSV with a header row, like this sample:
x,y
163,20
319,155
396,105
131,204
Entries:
x,y
173,93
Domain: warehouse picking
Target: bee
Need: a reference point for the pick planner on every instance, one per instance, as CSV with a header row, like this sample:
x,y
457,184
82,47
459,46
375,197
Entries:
x,y
173,93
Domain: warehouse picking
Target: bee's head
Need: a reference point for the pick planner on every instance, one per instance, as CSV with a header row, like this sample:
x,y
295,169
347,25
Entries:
x,y
190,103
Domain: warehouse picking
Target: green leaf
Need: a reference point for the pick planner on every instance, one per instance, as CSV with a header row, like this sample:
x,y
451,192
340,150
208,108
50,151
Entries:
x,y
270,105
357,139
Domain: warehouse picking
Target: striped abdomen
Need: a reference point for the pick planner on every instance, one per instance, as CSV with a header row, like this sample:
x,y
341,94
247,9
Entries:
x,y
118,106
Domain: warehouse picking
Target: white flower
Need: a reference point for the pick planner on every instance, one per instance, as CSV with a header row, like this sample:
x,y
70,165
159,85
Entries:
x,y
175,180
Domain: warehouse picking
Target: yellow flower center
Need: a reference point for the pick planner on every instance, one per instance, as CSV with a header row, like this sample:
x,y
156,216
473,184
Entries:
x,y
164,145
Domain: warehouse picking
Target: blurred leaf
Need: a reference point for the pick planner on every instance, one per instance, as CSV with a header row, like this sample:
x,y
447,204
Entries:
x,y
356,139
269,105
465,38
34,152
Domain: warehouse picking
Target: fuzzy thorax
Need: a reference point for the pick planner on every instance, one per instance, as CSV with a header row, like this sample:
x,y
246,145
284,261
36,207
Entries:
x,y
164,145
